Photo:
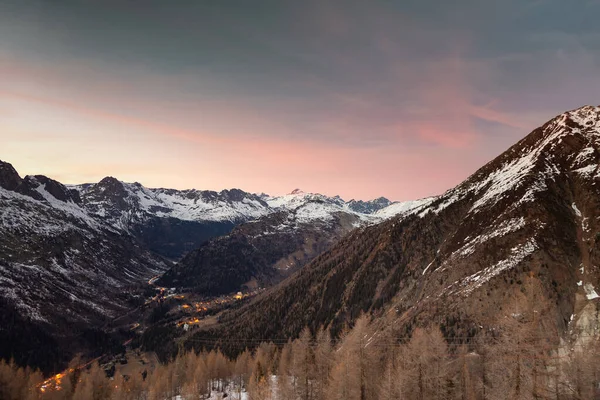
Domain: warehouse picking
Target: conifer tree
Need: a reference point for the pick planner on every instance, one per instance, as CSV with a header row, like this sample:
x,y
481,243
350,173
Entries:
x,y
94,385
259,387
425,364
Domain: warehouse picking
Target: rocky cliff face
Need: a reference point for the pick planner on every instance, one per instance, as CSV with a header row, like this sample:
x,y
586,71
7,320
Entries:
x,y
369,207
9,178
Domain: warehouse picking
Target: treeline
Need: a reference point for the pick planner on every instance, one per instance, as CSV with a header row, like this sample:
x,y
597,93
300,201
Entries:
x,y
364,364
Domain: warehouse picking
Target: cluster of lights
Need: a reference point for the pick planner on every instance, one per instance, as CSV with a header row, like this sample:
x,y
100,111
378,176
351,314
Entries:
x,y
54,383
191,321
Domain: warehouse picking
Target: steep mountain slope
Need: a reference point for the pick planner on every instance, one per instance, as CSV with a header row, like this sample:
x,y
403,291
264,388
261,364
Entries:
x,y
61,271
263,252
462,259
259,253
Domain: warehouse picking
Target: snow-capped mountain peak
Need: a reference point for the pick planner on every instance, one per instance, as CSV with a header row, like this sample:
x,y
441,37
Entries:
x,y
568,142
298,198
586,116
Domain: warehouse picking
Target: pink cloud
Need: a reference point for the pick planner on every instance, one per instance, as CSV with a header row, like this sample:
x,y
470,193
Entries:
x,y
263,152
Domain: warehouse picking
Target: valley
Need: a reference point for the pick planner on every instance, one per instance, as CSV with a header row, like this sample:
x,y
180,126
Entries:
x,y
509,254
299,200
75,259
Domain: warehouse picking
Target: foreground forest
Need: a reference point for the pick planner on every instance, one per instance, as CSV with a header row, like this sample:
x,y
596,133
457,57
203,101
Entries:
x,y
521,361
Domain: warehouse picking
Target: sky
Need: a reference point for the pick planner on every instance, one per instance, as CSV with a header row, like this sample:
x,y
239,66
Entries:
x,y
403,99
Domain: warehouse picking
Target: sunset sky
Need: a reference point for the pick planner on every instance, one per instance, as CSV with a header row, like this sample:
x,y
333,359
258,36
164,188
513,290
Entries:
x,y
402,99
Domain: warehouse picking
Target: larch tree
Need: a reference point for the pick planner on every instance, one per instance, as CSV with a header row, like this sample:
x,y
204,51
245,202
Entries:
x,y
222,370
356,370
323,356
303,365
286,382
343,384
520,354
211,366
94,385
13,381
392,385
425,363
159,383
259,386
463,368
129,388
241,371
196,381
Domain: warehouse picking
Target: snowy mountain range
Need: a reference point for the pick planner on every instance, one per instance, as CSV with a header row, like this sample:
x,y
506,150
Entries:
x,y
62,271
173,222
68,253
126,204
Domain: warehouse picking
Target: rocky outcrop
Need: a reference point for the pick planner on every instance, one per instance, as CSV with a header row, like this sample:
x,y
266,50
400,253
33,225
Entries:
x,y
9,178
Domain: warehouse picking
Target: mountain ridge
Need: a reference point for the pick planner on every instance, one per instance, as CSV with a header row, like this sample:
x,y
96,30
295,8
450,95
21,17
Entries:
x,y
461,258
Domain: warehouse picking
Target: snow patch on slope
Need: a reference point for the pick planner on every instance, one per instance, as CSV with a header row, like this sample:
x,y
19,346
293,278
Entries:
x,y
590,291
404,208
506,227
577,212
517,255
20,213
